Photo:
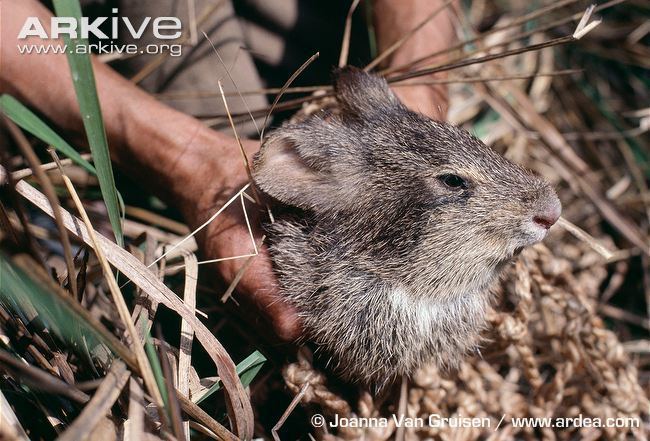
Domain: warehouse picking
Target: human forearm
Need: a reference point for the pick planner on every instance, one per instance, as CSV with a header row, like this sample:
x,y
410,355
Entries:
x,y
146,138
395,19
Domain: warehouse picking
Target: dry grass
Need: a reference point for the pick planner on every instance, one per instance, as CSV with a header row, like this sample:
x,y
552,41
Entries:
x,y
569,333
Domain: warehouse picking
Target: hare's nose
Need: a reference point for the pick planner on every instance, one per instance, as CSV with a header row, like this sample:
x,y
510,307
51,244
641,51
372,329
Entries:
x,y
548,213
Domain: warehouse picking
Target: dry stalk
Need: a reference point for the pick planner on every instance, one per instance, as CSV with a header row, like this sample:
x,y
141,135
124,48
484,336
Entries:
x,y
123,310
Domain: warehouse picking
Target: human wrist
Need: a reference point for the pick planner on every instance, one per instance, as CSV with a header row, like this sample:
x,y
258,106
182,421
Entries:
x,y
155,145
396,19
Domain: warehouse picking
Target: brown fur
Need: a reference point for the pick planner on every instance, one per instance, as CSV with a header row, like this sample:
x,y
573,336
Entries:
x,y
388,265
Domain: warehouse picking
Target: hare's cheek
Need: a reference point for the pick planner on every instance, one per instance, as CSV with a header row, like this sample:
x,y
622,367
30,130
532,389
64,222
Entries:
x,y
531,234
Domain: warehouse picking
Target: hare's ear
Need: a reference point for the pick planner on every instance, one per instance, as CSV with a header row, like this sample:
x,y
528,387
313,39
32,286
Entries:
x,y
290,174
359,92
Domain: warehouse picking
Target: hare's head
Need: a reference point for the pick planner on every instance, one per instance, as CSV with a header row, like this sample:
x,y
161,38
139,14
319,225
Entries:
x,y
419,200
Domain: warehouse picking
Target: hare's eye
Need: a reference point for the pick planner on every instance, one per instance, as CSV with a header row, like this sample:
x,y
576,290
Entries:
x,y
453,181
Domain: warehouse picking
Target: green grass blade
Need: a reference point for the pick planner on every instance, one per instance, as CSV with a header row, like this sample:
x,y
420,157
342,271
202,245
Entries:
x,y
247,371
156,368
26,294
26,119
83,78
250,367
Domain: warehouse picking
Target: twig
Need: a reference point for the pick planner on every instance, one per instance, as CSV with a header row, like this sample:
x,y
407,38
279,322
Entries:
x,y
284,87
145,307
238,139
187,333
101,403
203,225
324,87
584,27
585,237
48,190
345,44
41,380
239,275
289,409
27,264
486,58
204,430
27,172
205,419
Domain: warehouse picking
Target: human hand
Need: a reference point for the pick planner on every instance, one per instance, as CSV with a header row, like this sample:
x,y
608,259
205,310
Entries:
x,y
215,180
